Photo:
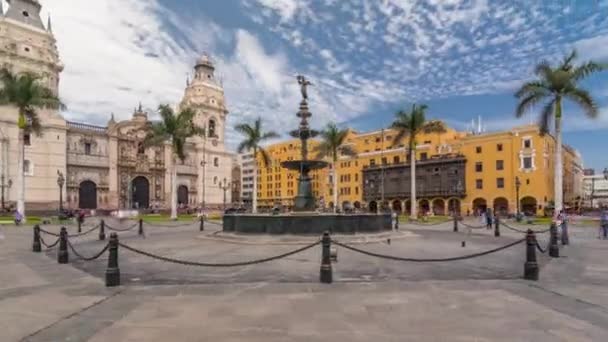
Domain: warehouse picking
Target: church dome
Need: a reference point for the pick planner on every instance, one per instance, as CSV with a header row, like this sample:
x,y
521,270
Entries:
x,y
205,61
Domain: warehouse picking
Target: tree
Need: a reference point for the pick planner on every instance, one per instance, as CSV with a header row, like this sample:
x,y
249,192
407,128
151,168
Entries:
x,y
411,124
25,92
176,129
332,146
554,84
254,136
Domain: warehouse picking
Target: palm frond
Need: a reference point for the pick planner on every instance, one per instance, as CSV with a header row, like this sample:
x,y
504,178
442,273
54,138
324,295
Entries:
x,y
584,99
532,87
348,150
568,59
434,126
266,159
269,135
586,69
243,146
528,102
543,69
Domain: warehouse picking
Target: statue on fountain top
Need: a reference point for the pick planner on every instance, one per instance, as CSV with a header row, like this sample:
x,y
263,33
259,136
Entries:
x,y
303,82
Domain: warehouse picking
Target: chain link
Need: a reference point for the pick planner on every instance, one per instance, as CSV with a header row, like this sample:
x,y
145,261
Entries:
x,y
540,249
524,231
473,227
51,245
105,248
47,232
85,232
121,229
390,257
202,264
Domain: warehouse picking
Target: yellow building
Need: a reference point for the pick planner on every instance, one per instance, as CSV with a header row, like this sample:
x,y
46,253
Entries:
x,y
493,163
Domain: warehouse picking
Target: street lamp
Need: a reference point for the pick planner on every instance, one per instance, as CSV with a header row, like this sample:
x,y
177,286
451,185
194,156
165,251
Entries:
x,y
4,186
517,185
60,183
225,186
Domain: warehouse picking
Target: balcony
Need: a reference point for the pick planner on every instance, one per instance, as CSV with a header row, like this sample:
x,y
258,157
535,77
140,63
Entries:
x,y
88,160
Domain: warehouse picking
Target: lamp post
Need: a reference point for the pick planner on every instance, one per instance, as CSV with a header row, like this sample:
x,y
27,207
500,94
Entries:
x,y
517,185
60,183
5,186
224,185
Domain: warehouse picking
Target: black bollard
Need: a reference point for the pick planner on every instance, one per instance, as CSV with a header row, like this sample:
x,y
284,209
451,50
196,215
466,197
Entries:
x,y
202,225
565,237
553,247
326,272
62,254
140,231
79,225
496,226
36,247
113,272
102,230
455,223
530,266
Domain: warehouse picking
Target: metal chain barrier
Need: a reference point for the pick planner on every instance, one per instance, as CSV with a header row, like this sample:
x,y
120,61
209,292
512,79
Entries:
x,y
49,233
172,226
391,257
47,245
540,249
429,224
473,227
94,228
523,231
234,264
105,248
121,229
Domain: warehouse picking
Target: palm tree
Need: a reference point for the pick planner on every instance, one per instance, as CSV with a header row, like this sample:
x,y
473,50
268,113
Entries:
x,y
25,92
175,128
554,84
254,136
411,124
333,145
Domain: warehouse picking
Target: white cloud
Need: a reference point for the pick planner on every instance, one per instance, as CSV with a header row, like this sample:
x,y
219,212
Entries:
x,y
594,47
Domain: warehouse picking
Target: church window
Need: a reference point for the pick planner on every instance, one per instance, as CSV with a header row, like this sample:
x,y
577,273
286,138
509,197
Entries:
x,y
87,148
140,148
27,139
28,168
215,180
211,128
216,161
25,14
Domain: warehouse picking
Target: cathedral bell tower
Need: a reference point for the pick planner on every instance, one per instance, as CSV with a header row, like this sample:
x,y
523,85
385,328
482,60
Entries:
x,y
205,95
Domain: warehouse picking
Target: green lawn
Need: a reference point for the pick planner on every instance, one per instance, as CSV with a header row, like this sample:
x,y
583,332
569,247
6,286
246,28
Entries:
x,y
35,220
430,219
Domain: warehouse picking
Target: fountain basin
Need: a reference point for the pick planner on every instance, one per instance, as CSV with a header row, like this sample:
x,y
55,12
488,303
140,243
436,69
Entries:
x,y
302,223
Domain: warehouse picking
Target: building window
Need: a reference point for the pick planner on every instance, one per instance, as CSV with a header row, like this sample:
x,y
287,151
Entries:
x,y
527,163
211,128
500,183
479,183
28,168
215,180
478,167
527,143
396,160
528,183
478,149
356,190
216,161
498,147
27,139
500,165
384,161
87,148
372,162
423,156
377,139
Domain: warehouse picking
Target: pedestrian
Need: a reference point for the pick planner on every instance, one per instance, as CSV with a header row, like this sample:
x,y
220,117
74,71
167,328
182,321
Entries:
x,y
604,224
488,221
563,218
18,217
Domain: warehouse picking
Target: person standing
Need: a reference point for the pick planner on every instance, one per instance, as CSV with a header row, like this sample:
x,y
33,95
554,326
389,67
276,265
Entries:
x,y
488,220
604,225
563,218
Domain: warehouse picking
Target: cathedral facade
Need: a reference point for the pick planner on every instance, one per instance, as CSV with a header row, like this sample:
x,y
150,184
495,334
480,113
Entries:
x,y
106,167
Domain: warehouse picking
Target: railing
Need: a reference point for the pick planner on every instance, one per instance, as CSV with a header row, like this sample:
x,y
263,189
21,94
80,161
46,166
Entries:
x,y
88,127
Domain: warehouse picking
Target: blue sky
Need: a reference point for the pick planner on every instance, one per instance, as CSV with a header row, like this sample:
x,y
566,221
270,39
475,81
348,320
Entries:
x,y
463,58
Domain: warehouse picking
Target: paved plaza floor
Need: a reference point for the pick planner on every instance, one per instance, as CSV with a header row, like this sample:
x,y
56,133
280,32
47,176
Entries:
x,y
478,299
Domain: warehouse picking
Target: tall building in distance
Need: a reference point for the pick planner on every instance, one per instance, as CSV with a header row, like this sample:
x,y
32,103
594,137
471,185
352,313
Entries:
x,y
246,163
595,189
457,171
106,167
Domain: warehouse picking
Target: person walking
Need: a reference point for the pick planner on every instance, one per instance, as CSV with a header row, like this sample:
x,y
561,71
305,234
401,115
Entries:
x,y
604,225
488,220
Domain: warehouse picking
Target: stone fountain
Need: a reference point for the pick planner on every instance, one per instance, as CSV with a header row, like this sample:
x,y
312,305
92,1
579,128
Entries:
x,y
304,219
